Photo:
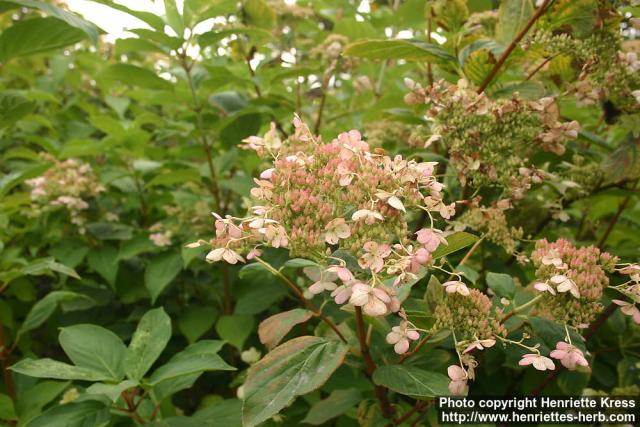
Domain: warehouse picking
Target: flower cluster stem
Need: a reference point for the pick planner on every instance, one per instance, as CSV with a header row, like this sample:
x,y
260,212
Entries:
x,y
301,297
370,365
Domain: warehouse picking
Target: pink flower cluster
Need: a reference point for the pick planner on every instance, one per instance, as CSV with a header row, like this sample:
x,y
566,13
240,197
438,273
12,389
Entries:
x,y
316,198
66,183
572,280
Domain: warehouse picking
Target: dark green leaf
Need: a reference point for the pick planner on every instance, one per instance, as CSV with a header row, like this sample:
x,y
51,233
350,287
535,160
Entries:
x,y
412,381
295,368
149,339
37,35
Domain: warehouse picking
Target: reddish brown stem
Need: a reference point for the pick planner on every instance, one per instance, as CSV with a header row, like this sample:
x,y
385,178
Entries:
x,y
419,406
4,364
494,71
417,348
315,310
370,366
623,205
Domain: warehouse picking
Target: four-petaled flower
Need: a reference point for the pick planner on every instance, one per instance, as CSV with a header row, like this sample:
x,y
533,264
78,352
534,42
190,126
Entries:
x,y
374,256
480,345
400,337
454,286
228,255
323,280
538,361
335,230
367,215
564,284
544,287
430,239
629,309
458,385
372,300
569,355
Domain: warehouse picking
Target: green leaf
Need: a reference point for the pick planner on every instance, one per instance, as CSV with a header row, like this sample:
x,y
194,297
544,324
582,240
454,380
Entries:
x,y
49,368
47,265
551,332
13,107
160,272
104,261
259,14
149,339
174,18
196,321
96,348
412,381
338,402
512,17
257,35
152,19
7,412
135,76
299,263
235,329
7,182
227,413
199,357
36,35
502,284
70,18
435,293
274,328
456,241
75,414
412,50
44,308
110,231
295,368
112,391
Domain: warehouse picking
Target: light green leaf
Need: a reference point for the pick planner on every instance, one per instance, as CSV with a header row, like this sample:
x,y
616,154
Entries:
x,y
199,357
112,391
412,50
36,35
294,368
257,35
259,14
502,284
96,348
512,17
299,263
235,328
135,76
338,402
149,339
152,19
434,294
49,368
174,18
75,414
412,381
160,272
456,241
274,328
7,412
